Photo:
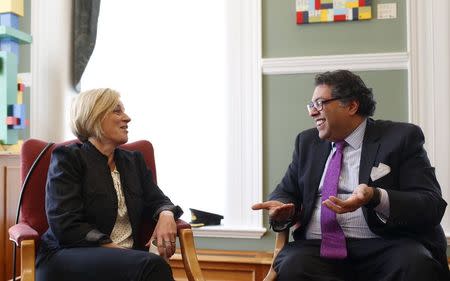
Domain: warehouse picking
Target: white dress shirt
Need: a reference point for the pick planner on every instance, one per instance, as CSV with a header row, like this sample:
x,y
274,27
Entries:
x,y
353,224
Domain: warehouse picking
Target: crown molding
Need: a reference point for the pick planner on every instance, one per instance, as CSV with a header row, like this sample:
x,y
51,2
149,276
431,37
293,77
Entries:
x,y
354,62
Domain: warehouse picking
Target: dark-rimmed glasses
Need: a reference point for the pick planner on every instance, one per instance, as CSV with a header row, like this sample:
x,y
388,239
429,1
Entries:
x,y
318,104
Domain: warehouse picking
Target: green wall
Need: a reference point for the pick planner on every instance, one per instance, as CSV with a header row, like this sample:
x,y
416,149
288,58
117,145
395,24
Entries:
x,y
285,96
282,37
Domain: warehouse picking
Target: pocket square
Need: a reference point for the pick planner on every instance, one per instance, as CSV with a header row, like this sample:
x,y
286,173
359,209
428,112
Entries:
x,y
380,171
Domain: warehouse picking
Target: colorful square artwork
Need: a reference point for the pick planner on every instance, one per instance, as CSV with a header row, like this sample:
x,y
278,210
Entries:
x,y
312,11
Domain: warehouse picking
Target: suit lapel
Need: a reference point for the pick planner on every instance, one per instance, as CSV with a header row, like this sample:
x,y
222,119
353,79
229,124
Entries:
x,y
369,151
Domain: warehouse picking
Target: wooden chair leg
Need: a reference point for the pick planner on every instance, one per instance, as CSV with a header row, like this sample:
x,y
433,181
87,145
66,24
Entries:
x,y
190,261
281,239
27,260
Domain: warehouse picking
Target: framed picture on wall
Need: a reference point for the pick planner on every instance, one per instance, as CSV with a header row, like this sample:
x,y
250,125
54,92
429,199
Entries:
x,y
316,11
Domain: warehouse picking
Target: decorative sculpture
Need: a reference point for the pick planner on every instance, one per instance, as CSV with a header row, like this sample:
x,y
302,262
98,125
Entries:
x,y
13,118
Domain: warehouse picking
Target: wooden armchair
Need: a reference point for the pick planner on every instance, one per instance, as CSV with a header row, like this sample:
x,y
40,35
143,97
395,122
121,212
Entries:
x,y
31,220
281,239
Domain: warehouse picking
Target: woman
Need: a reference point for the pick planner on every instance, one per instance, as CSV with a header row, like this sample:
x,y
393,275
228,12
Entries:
x,y
96,195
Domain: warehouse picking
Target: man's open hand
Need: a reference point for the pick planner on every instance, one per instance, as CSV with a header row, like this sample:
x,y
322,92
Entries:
x,y
361,196
278,211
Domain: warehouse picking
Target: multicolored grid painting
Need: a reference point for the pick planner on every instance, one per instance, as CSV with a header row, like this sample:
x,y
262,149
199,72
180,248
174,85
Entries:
x,y
312,11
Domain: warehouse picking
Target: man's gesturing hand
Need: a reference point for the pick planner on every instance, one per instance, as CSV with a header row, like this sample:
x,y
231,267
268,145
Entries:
x,y
278,211
361,196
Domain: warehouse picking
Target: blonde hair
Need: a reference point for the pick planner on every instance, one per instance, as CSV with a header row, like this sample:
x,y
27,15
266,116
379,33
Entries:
x,y
88,111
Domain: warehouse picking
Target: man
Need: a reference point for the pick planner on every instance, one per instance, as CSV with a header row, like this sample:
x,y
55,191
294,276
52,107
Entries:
x,y
382,221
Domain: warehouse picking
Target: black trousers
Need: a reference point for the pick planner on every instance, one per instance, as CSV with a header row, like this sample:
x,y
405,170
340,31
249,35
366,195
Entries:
x,y
368,260
97,264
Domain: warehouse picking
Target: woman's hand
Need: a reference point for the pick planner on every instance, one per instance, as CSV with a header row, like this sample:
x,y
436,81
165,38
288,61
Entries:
x,y
165,234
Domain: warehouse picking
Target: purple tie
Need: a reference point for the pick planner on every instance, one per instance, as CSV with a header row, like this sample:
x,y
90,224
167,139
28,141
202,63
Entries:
x,y
333,240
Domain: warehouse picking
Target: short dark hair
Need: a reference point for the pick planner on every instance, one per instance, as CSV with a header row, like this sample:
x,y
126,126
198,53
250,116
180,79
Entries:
x,y
348,86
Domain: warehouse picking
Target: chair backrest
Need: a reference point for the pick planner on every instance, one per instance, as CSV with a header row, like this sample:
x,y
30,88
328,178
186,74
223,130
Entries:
x,y
32,201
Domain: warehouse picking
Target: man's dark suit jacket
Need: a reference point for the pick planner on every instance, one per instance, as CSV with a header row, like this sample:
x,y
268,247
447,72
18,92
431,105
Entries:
x,y
81,201
416,204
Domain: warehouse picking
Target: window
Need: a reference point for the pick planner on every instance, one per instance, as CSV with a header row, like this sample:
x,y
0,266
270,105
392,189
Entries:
x,y
189,74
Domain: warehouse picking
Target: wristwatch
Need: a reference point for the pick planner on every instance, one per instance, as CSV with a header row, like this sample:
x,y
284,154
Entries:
x,y
375,200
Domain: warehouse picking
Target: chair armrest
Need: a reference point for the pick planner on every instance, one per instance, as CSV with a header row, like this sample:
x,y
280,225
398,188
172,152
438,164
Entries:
x,y
181,224
188,253
27,260
22,231
190,261
282,238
